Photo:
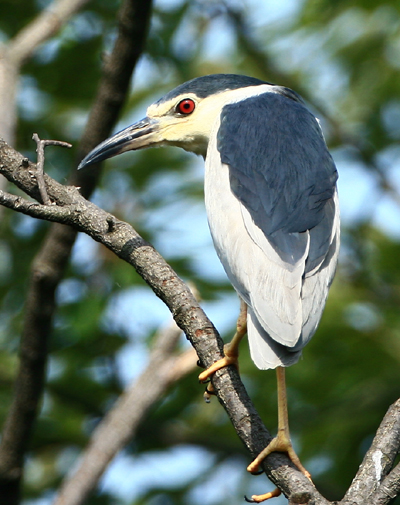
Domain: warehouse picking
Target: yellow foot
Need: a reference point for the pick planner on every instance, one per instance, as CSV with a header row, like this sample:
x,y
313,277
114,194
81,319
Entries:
x,y
259,498
230,358
281,443
231,351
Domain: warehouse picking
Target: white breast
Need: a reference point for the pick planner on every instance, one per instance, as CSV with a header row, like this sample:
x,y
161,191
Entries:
x,y
273,290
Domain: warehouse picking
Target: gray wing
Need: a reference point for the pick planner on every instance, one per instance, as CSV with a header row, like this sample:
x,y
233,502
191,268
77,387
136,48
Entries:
x,y
280,167
282,174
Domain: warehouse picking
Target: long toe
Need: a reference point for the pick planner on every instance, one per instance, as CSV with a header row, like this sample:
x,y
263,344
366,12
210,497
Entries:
x,y
259,498
221,363
280,443
231,350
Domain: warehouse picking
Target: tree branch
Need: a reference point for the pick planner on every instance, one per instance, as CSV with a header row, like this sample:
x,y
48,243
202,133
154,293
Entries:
x,y
45,25
378,462
125,242
40,145
389,488
120,424
49,265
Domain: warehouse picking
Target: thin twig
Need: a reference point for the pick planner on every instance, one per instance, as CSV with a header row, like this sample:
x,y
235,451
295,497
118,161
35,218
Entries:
x,y
49,213
40,145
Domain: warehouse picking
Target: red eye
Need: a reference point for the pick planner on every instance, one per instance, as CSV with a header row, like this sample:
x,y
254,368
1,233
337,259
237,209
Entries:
x,y
186,106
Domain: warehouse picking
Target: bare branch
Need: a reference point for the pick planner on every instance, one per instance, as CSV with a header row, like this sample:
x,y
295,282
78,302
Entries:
x,y
125,242
33,209
120,424
40,145
378,461
49,264
45,25
389,488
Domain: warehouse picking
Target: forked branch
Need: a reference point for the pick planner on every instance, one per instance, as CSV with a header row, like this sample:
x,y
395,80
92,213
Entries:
x,y
71,208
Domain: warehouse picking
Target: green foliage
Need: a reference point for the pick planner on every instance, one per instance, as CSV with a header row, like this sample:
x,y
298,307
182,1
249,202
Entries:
x,y
342,57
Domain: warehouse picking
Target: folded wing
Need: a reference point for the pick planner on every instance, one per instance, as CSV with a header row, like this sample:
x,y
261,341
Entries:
x,y
273,213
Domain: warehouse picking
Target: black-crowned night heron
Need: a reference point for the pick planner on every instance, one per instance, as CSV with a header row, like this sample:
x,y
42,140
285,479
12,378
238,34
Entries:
x,y
271,200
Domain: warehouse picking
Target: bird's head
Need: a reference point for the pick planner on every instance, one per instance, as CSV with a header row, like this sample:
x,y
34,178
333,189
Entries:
x,y
184,117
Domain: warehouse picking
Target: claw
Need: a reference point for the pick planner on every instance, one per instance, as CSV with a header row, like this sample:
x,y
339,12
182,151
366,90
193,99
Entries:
x,y
205,381
211,390
281,443
259,498
208,393
258,472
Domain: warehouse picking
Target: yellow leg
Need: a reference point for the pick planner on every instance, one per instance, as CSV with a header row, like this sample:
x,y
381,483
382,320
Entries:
x,y
231,350
281,443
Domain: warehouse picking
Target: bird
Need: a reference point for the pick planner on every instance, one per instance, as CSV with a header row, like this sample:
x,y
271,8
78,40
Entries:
x,y
270,189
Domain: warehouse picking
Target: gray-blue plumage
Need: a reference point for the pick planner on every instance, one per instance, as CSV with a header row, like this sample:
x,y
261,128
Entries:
x,y
282,172
208,85
270,193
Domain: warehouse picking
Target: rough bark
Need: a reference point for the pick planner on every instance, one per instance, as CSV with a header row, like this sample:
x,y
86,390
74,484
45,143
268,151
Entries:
x,y
49,265
71,208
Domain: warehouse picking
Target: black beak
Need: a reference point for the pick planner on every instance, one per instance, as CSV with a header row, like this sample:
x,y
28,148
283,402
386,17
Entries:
x,y
139,135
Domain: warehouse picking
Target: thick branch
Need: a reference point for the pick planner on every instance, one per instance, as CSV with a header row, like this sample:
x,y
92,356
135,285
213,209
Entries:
x,y
377,462
133,23
120,424
124,241
49,265
389,488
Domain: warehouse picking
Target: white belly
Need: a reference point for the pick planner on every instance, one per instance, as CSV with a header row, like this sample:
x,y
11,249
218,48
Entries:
x,y
274,290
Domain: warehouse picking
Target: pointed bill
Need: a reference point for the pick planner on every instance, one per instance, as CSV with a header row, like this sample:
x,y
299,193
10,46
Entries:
x,y
142,134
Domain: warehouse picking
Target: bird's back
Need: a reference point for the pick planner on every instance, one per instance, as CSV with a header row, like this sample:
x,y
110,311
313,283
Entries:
x,y
270,190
